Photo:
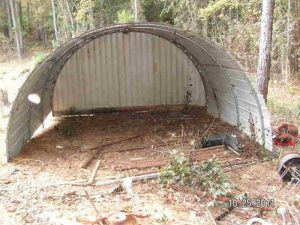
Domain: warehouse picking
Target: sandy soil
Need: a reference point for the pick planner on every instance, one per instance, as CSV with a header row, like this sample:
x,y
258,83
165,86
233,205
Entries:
x,y
38,186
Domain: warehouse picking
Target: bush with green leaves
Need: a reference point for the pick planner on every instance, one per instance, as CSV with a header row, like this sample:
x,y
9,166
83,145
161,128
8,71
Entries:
x,y
208,176
211,178
178,171
40,57
125,16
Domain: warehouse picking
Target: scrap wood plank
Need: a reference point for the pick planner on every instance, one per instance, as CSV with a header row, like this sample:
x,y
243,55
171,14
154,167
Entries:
x,y
93,175
95,154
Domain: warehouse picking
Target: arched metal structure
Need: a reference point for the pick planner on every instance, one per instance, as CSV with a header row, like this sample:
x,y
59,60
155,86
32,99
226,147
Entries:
x,y
228,92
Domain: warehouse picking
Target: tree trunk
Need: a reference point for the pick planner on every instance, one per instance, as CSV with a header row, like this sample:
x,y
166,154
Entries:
x,y
264,61
204,22
16,28
71,19
54,21
137,8
102,13
8,19
20,13
294,39
28,16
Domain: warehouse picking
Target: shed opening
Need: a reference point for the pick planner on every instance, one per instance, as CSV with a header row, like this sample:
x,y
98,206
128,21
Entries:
x,y
132,66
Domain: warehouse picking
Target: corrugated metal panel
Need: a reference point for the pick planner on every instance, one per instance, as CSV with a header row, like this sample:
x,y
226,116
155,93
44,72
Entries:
x,y
123,70
225,86
244,92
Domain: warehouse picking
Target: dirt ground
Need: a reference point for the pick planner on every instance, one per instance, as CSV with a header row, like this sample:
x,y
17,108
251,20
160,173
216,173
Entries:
x,y
45,184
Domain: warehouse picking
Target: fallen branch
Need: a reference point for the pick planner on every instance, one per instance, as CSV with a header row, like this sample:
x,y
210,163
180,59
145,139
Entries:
x,y
234,151
89,160
208,128
213,147
94,207
94,172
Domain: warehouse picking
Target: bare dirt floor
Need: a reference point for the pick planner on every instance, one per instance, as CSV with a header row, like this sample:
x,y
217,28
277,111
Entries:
x,y
45,184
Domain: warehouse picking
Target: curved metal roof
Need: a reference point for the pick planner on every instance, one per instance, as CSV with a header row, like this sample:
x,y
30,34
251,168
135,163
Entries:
x,y
229,93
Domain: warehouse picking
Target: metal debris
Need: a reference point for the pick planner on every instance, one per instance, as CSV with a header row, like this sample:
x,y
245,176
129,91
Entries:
x,y
228,140
289,167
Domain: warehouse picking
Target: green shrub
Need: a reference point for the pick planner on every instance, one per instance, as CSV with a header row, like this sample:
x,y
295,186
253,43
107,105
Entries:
x,y
208,176
40,57
125,16
178,171
211,178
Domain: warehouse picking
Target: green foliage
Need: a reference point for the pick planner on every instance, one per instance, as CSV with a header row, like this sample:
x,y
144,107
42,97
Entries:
x,y
40,57
84,15
209,175
234,24
125,16
108,10
178,171
153,11
217,7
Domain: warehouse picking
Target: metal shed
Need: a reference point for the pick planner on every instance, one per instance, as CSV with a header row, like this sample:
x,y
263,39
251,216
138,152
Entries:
x,y
132,65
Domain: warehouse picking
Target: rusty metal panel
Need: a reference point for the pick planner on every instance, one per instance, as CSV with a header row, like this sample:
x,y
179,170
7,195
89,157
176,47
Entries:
x,y
123,70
